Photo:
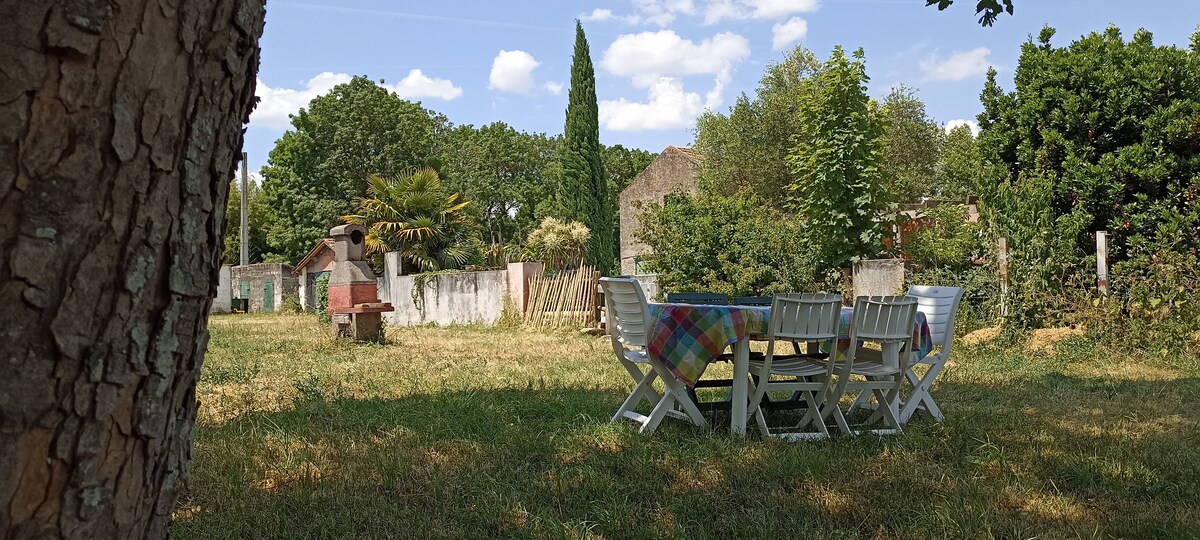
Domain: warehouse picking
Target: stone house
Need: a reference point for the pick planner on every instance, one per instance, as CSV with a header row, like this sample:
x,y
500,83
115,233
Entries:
x,y
673,171
317,263
262,287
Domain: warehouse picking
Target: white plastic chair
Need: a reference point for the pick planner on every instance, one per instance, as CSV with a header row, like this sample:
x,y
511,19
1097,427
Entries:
x,y
940,306
811,318
630,328
888,321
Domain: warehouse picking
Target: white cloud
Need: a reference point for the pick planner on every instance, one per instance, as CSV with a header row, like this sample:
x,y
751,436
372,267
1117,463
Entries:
x,y
719,10
276,104
788,32
417,85
646,56
669,107
958,66
660,12
512,71
555,88
973,125
597,14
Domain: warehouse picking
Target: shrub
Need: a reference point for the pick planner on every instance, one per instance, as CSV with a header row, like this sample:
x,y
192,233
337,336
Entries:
x,y
322,300
734,245
558,244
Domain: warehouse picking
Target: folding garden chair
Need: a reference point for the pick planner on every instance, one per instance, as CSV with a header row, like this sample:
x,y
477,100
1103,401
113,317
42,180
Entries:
x,y
811,319
888,321
630,327
940,306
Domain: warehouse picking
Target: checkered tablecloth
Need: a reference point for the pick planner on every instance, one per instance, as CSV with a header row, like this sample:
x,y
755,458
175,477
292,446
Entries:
x,y
687,337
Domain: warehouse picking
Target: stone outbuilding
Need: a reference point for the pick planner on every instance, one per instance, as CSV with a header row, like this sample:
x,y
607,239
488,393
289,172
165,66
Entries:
x,y
317,263
673,171
262,287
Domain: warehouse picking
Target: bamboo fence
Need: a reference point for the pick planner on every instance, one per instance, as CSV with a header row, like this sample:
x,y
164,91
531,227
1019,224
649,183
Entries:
x,y
567,299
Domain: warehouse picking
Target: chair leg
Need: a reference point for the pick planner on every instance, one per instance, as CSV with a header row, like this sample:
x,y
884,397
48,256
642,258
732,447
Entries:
x,y
859,401
644,389
920,394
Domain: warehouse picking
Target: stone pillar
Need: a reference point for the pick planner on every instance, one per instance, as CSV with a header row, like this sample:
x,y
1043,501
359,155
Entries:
x,y
518,281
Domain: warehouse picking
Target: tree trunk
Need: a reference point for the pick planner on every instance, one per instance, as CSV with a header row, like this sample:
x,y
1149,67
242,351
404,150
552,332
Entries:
x,y
120,123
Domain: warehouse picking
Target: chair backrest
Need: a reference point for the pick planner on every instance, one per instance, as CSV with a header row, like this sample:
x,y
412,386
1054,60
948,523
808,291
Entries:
x,y
940,306
808,317
698,298
751,300
627,312
883,319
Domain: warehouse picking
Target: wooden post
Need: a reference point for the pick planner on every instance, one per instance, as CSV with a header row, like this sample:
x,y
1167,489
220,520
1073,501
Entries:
x,y
1002,259
1102,262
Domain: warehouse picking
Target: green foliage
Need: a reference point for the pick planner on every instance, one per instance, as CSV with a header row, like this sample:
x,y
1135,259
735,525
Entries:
x,y
583,192
735,245
1098,135
505,173
747,148
837,186
911,147
317,168
988,10
960,167
258,223
559,245
411,214
290,305
944,239
322,297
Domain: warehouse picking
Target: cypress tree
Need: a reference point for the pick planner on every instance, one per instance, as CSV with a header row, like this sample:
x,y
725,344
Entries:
x,y
583,193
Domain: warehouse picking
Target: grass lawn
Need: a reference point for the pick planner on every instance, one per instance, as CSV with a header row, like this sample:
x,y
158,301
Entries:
x,y
474,432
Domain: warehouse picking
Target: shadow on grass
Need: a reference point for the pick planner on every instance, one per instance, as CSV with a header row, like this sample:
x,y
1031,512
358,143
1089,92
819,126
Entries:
x,y
1034,457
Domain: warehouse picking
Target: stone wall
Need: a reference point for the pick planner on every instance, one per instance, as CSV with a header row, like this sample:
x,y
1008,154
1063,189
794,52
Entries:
x,y
673,171
222,302
283,283
879,277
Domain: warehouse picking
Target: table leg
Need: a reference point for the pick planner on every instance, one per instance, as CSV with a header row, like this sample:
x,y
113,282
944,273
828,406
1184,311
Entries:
x,y
741,372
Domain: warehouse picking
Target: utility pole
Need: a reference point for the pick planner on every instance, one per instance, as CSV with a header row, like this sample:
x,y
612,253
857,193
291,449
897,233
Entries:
x,y
245,218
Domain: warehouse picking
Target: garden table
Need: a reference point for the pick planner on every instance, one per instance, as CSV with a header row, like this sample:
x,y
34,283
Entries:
x,y
687,337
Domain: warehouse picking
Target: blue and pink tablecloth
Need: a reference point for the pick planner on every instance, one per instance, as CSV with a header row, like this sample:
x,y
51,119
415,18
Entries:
x,y
687,337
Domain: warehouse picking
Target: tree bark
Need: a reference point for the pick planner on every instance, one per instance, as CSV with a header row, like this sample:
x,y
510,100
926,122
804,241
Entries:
x,y
120,122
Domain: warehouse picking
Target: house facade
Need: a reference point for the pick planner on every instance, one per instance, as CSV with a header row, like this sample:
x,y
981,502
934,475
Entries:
x,y
674,171
318,262
262,287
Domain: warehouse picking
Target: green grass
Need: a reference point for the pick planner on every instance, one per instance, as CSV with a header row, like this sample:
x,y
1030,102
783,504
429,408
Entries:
x,y
475,432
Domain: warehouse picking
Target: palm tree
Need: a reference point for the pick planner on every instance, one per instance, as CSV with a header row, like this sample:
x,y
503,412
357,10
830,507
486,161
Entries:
x,y
412,215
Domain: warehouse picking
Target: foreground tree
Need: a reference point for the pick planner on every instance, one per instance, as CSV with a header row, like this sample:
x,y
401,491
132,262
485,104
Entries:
x,y
837,188
583,191
988,10
120,130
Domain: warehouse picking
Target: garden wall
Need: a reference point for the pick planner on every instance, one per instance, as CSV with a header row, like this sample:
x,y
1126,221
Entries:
x,y
456,298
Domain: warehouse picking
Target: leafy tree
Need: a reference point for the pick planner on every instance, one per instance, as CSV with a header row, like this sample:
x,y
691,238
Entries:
x,y
959,170
1098,135
559,245
258,222
837,187
747,148
411,214
622,165
988,10
911,147
583,192
736,245
506,174
315,170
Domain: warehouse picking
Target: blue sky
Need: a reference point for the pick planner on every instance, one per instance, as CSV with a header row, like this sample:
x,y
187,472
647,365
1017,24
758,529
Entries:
x,y
659,63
